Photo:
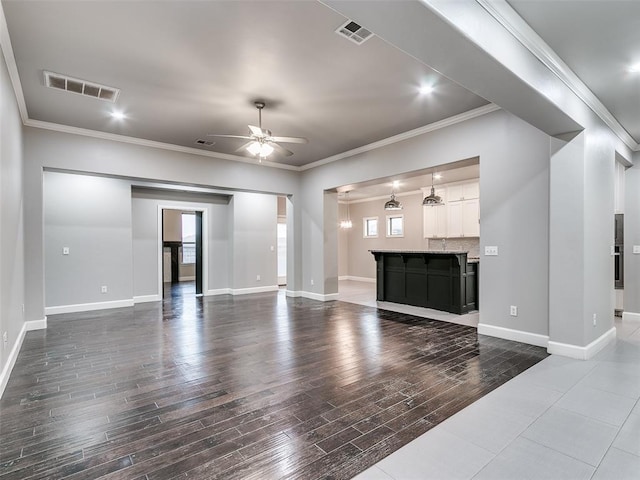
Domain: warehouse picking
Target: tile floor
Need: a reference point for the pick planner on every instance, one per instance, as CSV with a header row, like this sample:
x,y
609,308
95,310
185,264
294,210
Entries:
x,y
561,419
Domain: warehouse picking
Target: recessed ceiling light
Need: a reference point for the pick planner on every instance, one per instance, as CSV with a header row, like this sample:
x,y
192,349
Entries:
x,y
396,183
426,89
437,176
118,115
635,68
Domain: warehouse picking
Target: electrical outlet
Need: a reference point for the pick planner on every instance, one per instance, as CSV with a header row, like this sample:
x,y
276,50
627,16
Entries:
x,y
636,249
491,251
312,282
5,337
595,319
513,311
257,278
65,250
103,289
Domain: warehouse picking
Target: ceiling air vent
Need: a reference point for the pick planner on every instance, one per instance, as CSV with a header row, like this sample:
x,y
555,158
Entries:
x,y
81,87
205,143
354,32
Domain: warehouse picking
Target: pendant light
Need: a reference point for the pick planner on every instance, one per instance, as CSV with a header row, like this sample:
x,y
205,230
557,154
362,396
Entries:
x,y
432,200
346,223
393,204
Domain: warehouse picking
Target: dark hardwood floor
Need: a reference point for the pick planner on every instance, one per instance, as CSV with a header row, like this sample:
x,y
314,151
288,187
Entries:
x,y
247,387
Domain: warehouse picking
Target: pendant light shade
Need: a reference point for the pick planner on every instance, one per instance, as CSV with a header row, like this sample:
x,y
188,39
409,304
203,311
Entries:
x,y
347,223
432,200
393,204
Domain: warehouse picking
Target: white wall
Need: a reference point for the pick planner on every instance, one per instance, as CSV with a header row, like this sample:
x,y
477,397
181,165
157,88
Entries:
x,y
12,295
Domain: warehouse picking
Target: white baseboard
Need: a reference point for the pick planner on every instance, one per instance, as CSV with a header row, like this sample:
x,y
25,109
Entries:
x,y
313,296
357,279
186,279
246,291
146,298
630,316
87,307
218,291
15,350
582,353
515,335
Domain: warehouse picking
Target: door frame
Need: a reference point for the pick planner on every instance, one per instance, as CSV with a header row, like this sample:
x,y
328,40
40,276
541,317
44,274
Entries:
x,y
205,244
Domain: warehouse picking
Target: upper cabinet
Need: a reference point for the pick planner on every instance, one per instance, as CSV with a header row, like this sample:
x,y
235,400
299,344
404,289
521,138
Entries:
x,y
459,216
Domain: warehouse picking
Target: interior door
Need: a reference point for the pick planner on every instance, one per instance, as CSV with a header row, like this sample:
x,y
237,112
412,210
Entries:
x,y
199,266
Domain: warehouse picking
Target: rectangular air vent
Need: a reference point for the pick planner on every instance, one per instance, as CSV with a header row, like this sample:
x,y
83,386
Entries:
x,y
80,87
354,32
206,143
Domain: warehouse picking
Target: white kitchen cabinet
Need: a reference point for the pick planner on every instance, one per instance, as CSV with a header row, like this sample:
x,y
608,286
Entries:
x,y
435,218
463,191
463,209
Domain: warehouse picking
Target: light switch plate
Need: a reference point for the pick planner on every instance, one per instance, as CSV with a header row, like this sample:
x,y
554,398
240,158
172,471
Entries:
x,y
636,249
491,251
65,250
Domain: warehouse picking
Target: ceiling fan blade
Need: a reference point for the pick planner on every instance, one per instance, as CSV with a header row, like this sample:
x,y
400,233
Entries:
x,y
243,147
257,131
228,136
281,150
290,139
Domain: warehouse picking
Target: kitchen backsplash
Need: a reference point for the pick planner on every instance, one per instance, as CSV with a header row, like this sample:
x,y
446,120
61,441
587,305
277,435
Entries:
x,y
472,245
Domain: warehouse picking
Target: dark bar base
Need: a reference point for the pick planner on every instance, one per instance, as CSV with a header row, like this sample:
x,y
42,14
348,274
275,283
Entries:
x,y
438,280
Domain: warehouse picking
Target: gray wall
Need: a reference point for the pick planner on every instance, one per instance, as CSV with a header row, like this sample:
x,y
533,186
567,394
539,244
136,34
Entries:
x,y
514,208
55,150
12,295
632,237
92,216
145,206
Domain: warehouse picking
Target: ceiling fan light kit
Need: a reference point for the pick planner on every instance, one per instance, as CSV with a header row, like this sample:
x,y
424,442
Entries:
x,y
261,142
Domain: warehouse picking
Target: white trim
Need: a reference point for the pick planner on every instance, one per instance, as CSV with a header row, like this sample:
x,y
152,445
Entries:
x,y
88,307
218,291
312,296
388,225
447,122
146,298
521,31
15,350
10,60
514,335
150,143
246,291
582,353
36,324
187,279
630,316
357,279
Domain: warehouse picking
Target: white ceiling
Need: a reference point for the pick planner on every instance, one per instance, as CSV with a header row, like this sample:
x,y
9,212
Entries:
x,y
187,69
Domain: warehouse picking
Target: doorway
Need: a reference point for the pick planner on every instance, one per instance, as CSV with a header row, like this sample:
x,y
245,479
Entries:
x,y
182,262
282,241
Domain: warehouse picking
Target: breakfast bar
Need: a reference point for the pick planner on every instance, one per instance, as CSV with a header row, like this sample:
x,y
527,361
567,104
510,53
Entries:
x,y
438,279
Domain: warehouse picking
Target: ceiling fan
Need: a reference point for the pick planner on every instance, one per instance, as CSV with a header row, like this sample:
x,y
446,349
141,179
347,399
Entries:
x,y
261,142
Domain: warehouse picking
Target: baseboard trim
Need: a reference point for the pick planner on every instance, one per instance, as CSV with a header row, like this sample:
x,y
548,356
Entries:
x,y
293,293
88,307
218,291
357,279
582,353
146,298
246,291
631,316
15,350
186,279
514,335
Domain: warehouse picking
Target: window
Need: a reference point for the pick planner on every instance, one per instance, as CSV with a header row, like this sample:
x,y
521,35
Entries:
x,y
370,225
188,238
395,226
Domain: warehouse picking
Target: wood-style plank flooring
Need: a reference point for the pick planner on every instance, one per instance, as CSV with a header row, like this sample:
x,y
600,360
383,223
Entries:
x,y
247,387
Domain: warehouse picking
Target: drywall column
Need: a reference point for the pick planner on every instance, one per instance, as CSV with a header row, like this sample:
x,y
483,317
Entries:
x,y
581,235
631,238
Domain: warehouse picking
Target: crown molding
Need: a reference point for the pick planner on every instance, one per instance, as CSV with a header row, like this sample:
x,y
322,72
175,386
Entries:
x,y
506,16
150,143
476,112
12,67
